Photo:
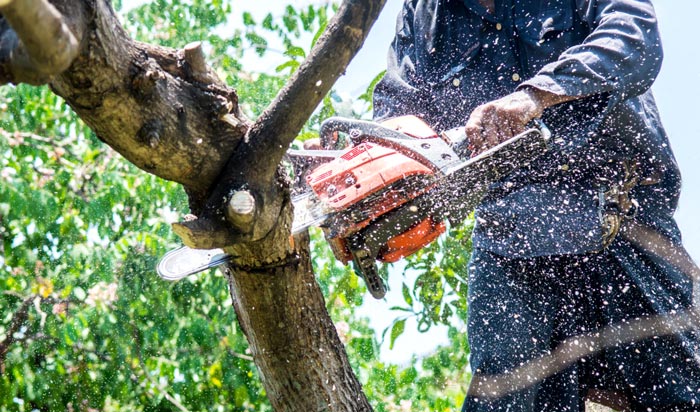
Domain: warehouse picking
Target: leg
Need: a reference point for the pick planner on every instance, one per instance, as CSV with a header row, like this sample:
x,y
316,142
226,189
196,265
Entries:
x,y
663,372
519,310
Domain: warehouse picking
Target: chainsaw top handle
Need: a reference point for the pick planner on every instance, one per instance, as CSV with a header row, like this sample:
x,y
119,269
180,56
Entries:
x,y
433,152
358,130
355,129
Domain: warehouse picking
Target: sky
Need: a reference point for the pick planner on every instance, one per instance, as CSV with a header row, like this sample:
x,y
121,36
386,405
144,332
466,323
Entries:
x,y
677,90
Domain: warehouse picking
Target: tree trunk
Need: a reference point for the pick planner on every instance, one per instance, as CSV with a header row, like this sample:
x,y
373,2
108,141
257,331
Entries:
x,y
167,113
294,342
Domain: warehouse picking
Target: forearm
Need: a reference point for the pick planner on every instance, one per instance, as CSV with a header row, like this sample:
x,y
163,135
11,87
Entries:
x,y
545,99
620,58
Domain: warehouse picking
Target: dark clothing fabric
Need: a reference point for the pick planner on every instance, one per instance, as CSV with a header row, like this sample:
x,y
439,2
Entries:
x,y
521,309
448,57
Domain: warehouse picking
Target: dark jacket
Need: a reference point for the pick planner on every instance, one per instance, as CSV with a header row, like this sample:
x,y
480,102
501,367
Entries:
x,y
449,56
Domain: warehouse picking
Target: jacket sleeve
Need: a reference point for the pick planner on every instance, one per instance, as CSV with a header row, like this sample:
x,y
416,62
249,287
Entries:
x,y
620,58
400,91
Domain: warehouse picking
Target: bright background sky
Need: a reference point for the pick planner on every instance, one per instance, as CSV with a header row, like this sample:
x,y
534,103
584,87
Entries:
x,y
678,96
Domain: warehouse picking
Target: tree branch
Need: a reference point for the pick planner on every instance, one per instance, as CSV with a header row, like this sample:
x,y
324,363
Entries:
x,y
280,123
253,165
47,46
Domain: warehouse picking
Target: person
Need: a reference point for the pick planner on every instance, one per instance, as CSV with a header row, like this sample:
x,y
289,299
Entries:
x,y
549,259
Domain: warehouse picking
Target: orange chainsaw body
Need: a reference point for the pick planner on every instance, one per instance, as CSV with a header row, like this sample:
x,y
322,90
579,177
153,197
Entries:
x,y
369,177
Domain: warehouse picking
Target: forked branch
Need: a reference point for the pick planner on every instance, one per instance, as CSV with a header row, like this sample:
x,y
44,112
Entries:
x,y
253,165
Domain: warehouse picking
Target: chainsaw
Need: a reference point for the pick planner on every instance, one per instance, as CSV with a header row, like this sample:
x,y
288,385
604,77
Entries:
x,y
382,191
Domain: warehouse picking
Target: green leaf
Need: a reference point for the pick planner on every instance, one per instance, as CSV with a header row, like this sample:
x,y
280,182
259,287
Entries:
x,y
295,51
79,293
267,22
365,347
71,335
446,314
308,17
248,19
396,331
406,294
258,42
292,65
289,19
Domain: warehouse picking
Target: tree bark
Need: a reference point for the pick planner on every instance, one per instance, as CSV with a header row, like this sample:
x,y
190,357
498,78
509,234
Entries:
x,y
294,343
47,46
167,113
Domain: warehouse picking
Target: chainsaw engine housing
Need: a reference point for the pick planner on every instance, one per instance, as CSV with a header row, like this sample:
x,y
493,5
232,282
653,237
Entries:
x,y
369,180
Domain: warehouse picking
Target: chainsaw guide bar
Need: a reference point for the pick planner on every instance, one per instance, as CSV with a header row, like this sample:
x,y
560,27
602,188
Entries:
x,y
184,261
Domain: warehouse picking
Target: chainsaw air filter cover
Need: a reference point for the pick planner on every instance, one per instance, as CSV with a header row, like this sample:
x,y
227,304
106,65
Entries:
x,y
362,171
366,182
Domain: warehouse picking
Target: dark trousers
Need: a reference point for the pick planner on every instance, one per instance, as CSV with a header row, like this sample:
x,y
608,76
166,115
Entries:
x,y
522,309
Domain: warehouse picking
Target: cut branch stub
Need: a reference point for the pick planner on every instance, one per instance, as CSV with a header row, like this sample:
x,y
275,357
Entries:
x,y
47,46
204,233
198,68
241,210
146,79
245,216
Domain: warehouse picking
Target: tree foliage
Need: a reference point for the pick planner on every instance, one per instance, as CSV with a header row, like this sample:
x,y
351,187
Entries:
x,y
85,322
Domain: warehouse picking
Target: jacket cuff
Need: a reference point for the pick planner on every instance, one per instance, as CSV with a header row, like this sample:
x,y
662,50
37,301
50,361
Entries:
x,y
575,87
546,83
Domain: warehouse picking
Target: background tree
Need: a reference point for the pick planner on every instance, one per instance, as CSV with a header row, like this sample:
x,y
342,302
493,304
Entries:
x,y
85,322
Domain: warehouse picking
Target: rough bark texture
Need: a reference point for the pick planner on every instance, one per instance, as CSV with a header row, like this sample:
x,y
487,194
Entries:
x,y
167,113
294,343
282,313
144,101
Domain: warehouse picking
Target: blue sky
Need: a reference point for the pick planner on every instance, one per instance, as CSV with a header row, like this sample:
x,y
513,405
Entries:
x,y
677,92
